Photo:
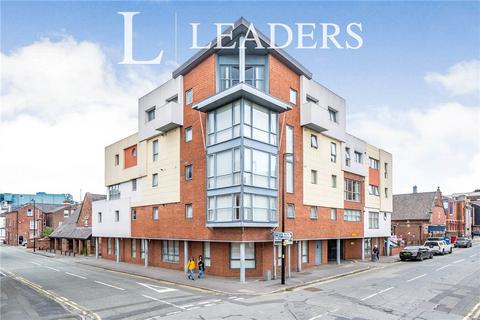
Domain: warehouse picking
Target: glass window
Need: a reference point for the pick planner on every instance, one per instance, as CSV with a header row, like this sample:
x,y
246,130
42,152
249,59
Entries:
x,y
189,96
260,123
155,213
29,212
373,163
109,246
155,150
373,190
373,220
171,251
134,214
290,210
334,181
386,192
188,134
358,157
333,214
117,159
114,192
347,157
255,76
155,180
333,152
313,177
188,211
150,114
333,114
313,212
134,185
229,76
304,251
313,141
142,248
188,172
385,174
289,140
352,215
352,190
99,217
293,96
224,123
224,168
289,176
249,255
207,259
66,213
260,168
133,249
134,152
117,215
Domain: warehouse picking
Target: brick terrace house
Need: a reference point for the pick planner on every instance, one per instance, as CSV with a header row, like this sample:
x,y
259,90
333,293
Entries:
x,y
460,213
75,234
417,215
21,227
203,174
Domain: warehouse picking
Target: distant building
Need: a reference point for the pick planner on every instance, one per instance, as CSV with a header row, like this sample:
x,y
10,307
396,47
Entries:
x,y
461,213
20,225
7,200
75,234
2,227
418,215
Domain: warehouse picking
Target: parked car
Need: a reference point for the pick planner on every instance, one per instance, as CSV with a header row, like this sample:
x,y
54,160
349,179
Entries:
x,y
446,239
416,253
463,242
439,247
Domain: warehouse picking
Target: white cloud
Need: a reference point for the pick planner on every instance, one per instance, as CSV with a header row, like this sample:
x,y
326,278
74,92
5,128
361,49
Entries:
x,y
461,78
62,103
437,146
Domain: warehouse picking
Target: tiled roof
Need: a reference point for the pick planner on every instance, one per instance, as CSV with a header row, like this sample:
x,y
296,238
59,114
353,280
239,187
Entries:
x,y
49,208
96,197
413,206
69,228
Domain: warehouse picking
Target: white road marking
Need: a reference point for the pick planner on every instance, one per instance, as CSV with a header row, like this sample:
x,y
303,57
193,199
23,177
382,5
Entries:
x,y
193,308
210,304
37,264
204,302
109,285
377,293
423,275
237,299
232,297
75,275
172,313
445,266
52,269
473,255
163,301
323,314
156,288
458,261
186,306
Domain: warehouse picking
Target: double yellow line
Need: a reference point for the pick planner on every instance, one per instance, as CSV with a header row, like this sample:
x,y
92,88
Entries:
x,y
72,306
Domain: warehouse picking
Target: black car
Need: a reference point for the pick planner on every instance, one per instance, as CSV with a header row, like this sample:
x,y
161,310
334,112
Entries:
x,y
415,253
463,242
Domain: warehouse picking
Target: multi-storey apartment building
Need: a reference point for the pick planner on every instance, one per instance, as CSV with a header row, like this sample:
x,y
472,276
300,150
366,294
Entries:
x,y
460,213
203,174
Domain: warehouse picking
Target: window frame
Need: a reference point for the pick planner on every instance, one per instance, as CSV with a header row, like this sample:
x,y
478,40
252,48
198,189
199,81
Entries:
x,y
373,163
348,160
290,215
189,172
134,184
358,157
188,134
155,150
334,181
373,190
133,213
155,180
133,248
313,176
333,152
373,220
305,255
189,96
350,215
351,192
313,141
148,114
207,257
155,214
333,214
117,216
333,114
188,213
247,258
117,159
313,212
173,255
99,217
293,94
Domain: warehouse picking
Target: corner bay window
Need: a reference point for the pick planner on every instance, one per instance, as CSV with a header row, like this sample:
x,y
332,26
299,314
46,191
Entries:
x,y
260,169
254,76
249,255
352,190
224,168
170,251
257,208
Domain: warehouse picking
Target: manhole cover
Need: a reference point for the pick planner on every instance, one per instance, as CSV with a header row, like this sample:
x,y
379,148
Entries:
x,y
312,289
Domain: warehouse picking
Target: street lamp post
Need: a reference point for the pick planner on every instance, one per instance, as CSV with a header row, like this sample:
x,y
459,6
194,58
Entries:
x,y
34,226
285,155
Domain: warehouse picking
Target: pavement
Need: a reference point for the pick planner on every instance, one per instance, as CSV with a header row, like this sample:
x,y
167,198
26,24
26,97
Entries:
x,y
225,285
34,286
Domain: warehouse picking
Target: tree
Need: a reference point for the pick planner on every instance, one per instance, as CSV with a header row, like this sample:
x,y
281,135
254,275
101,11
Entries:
x,y
47,231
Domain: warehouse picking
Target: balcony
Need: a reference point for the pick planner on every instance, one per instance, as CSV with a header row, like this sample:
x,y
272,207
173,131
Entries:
x,y
168,117
314,117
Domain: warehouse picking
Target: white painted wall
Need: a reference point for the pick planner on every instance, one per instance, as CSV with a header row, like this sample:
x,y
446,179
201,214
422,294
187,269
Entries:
x,y
109,227
355,144
384,223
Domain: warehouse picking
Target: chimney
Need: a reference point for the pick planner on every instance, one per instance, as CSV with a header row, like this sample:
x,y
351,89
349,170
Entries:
x,y
414,189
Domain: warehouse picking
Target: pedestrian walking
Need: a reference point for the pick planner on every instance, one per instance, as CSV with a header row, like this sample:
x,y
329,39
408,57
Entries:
x,y
191,268
201,267
376,253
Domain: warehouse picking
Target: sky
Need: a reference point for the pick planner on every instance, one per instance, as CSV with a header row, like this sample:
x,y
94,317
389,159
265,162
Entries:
x,y
411,89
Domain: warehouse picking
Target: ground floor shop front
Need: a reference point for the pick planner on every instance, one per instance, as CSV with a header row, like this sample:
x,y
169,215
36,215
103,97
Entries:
x,y
236,259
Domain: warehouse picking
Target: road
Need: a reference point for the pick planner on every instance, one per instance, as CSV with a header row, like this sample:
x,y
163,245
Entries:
x,y
36,287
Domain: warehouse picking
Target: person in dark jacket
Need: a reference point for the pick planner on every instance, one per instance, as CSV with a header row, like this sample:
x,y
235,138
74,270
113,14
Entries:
x,y
201,267
376,253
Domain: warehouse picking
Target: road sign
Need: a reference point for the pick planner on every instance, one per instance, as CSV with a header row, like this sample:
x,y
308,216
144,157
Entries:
x,y
279,236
